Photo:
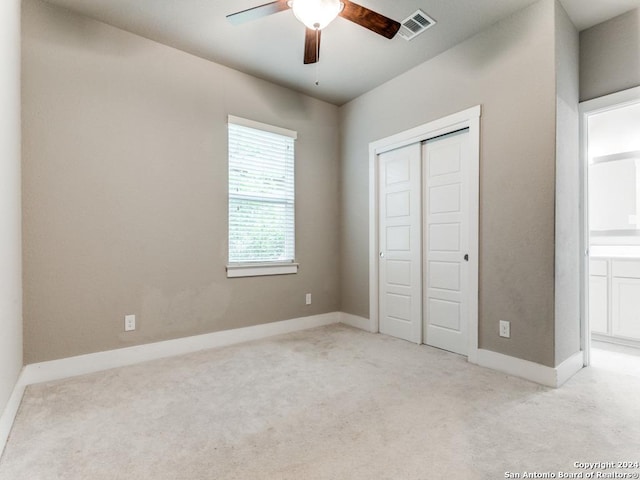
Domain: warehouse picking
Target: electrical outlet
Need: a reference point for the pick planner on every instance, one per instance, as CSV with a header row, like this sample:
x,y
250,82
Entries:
x,y
307,299
505,329
129,323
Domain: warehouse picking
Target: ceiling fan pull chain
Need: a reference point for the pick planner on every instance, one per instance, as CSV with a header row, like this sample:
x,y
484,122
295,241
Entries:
x,y
317,55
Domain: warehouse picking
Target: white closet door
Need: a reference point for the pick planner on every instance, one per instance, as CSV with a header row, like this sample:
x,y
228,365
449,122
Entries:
x,y
400,243
446,232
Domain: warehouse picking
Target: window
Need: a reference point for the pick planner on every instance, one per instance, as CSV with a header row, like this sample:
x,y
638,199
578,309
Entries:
x,y
261,199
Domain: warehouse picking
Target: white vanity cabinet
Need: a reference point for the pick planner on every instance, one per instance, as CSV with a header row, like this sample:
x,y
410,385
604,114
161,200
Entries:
x,y
614,298
625,298
599,296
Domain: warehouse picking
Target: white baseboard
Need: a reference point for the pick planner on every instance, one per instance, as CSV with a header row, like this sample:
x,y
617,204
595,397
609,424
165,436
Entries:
x,y
535,372
10,411
355,321
569,368
625,342
96,362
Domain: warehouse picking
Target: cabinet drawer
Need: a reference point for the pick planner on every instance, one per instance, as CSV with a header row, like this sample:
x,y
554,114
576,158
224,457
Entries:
x,y
598,267
626,268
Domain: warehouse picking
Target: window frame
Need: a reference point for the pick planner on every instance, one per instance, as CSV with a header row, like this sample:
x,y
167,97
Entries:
x,y
253,269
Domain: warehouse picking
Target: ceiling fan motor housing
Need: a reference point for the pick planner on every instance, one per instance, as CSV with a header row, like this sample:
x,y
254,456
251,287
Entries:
x,y
316,14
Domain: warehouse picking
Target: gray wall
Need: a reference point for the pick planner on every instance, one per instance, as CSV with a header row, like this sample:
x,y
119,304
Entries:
x,y
567,274
510,70
10,215
125,158
610,56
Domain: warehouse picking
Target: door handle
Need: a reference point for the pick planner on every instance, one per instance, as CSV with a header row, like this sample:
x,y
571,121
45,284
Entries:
x,y
381,254
466,257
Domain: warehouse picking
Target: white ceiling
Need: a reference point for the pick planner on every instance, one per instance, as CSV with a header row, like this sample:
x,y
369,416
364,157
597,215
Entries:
x,y
587,13
353,60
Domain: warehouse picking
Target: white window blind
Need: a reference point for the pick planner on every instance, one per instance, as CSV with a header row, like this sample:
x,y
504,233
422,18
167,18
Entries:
x,y
261,193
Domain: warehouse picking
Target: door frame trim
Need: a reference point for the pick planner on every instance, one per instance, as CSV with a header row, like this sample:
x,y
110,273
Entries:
x,y
587,108
469,118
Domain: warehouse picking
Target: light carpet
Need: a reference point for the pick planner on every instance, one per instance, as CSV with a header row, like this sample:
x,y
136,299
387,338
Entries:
x,y
328,403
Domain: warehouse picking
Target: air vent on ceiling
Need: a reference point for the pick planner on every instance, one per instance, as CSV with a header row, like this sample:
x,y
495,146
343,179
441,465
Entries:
x,y
415,24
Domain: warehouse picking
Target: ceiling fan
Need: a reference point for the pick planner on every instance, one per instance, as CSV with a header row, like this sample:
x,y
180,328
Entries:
x,y
317,14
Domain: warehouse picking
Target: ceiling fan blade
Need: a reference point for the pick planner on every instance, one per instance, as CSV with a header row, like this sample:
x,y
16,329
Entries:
x,y
369,19
311,46
258,12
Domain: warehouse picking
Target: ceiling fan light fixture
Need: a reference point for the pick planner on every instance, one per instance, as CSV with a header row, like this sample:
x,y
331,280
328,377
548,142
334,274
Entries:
x,y
316,14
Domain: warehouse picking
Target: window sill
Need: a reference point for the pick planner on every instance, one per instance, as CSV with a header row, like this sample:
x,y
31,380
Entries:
x,y
261,269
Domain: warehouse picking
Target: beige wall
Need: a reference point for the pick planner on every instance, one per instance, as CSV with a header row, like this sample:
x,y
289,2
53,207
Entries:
x,y
125,191
10,230
510,70
125,184
567,265
610,56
